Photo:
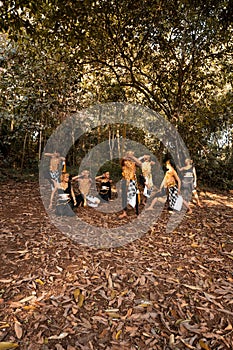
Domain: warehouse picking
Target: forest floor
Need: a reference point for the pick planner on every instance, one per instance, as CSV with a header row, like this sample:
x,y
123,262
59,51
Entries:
x,y
161,291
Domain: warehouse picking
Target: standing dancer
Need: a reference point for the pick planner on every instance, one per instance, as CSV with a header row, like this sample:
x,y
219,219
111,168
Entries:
x,y
129,183
170,186
56,166
147,175
189,180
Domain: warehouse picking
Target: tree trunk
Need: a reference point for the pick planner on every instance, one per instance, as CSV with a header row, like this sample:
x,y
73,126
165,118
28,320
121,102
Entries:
x,y
23,155
118,142
40,144
111,141
123,142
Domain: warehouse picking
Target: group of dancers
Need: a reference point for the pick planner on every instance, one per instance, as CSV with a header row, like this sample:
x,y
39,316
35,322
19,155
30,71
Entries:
x,y
170,186
68,195
132,194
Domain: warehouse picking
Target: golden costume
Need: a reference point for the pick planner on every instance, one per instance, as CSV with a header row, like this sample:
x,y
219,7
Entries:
x,y
128,170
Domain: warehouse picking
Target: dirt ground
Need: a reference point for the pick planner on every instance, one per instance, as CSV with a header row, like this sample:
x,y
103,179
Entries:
x,y
161,291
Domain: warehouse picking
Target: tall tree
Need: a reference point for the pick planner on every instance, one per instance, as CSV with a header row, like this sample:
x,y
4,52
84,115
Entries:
x,y
173,56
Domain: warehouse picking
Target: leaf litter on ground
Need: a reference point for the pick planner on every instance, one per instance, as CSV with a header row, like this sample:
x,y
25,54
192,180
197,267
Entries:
x,y
162,291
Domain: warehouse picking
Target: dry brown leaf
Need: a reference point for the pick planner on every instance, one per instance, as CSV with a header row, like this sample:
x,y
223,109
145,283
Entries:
x,y
191,287
59,347
18,329
111,310
128,313
229,327
60,336
15,304
132,330
75,310
142,280
4,325
39,281
204,345
194,328
86,323
81,299
100,319
113,314
183,330
171,340
118,334
110,284
103,333
29,298
225,311
6,280
8,345
76,294
187,345
145,304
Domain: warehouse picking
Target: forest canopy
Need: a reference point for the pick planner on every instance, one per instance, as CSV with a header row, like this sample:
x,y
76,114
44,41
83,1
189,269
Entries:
x,y
174,57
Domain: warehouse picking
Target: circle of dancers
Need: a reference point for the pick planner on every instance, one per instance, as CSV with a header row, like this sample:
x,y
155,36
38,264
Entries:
x,y
70,192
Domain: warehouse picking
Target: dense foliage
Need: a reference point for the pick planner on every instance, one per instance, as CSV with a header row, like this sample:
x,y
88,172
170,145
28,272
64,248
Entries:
x,y
174,57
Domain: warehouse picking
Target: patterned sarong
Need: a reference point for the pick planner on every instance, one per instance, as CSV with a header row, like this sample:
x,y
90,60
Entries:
x,y
132,194
55,175
172,196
